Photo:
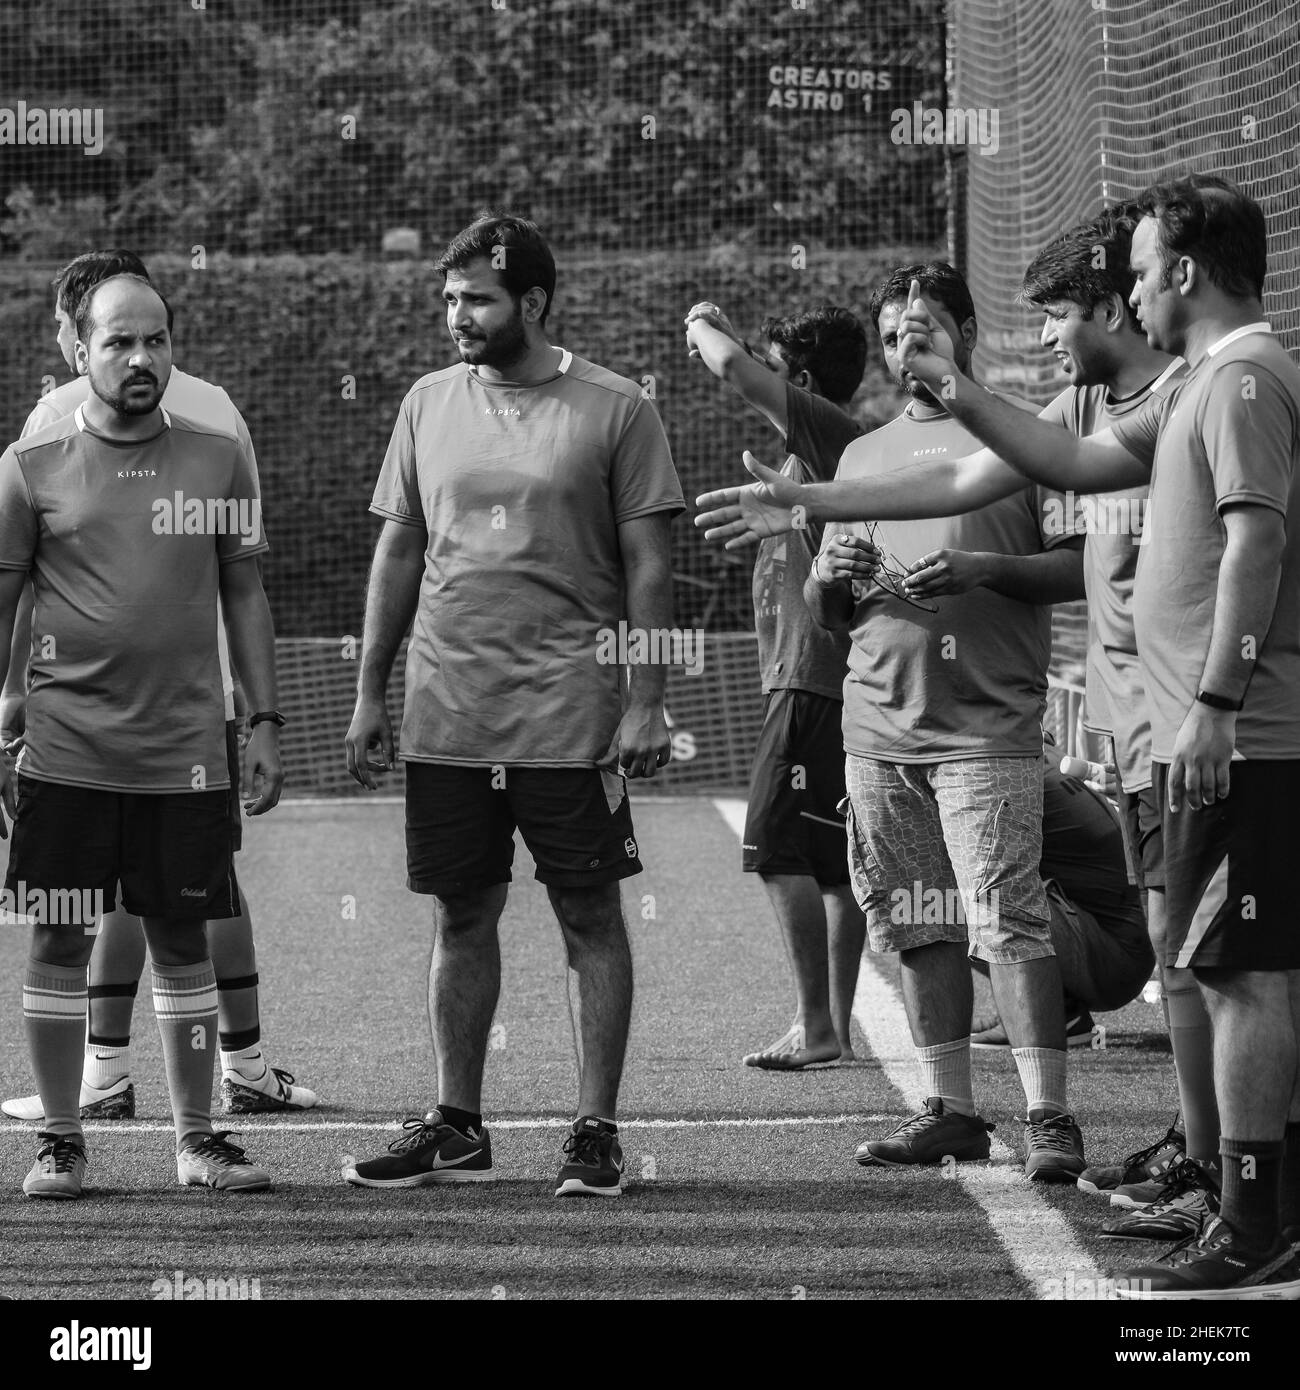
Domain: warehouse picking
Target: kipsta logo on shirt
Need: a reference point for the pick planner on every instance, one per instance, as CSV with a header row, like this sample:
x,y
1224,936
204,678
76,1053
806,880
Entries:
x,y
501,410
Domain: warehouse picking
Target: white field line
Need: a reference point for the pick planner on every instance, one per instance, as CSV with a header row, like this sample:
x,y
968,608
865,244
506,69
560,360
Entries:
x,y
1036,1237
539,1122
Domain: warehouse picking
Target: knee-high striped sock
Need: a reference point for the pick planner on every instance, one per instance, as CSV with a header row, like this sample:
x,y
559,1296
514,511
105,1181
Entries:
x,y
54,1011
185,1000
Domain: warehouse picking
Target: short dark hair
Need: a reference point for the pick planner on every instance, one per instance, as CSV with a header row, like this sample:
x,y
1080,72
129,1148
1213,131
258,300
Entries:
x,y
86,271
528,260
85,319
827,341
1217,225
939,282
1086,263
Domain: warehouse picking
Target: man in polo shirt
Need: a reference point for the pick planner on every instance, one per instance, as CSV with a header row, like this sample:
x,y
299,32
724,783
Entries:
x,y
794,834
249,1083
1217,616
130,521
526,497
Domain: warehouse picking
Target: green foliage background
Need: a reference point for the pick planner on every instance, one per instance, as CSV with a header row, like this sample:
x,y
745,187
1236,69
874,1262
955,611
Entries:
x,y
282,333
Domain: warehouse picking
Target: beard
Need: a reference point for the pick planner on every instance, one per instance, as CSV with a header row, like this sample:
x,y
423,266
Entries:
x,y
500,349
137,402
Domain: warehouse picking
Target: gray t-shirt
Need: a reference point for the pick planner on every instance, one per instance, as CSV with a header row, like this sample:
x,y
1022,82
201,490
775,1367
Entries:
x,y
793,652
521,490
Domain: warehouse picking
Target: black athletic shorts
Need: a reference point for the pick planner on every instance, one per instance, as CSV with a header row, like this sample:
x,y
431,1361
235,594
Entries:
x,y
1143,837
797,782
461,822
1230,899
170,852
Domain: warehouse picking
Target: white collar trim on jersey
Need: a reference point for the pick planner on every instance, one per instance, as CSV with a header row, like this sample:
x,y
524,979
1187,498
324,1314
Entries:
x,y
1260,327
1172,369
79,416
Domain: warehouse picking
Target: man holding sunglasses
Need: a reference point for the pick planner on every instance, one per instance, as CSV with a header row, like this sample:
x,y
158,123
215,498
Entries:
x,y
951,626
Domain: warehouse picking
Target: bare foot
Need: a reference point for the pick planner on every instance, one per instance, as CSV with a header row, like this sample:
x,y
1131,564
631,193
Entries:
x,y
793,1051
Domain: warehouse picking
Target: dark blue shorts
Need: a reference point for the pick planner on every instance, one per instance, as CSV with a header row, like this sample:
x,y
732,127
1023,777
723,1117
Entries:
x,y
461,822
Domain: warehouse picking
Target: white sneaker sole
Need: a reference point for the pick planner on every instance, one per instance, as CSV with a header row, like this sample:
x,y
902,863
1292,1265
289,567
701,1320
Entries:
x,y
575,1187
440,1178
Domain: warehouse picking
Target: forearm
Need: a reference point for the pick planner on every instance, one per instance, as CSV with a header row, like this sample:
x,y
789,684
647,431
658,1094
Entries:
x,y
18,647
649,587
831,605
1055,576
902,493
251,633
391,599
1243,613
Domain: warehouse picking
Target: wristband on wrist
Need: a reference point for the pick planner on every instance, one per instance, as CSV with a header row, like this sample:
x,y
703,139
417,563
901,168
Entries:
x,y
272,716
1208,697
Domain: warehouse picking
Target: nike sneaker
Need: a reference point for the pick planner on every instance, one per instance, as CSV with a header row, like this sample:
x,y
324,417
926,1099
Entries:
x,y
429,1153
593,1164
273,1090
115,1102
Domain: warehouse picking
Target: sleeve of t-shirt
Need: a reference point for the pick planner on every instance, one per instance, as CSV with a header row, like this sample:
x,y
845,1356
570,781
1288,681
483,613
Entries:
x,y
236,543
1058,514
1249,428
41,416
1139,431
817,431
397,492
642,477
18,523
1060,410
246,442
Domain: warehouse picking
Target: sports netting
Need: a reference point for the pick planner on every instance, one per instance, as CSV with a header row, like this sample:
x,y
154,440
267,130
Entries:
x,y
1096,101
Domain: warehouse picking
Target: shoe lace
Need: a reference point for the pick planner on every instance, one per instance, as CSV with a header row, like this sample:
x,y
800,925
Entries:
x,y
1054,1132
1144,1155
1185,1176
914,1124
583,1147
218,1149
285,1078
418,1132
63,1149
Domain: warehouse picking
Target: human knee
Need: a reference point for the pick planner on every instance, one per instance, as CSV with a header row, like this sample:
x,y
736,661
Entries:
x,y
69,947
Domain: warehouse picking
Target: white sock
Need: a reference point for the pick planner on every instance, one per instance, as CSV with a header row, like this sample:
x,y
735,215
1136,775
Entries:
x,y
248,1062
1042,1074
945,1069
105,1066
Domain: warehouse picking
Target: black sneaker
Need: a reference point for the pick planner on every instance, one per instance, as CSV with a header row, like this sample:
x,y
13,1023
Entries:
x,y
430,1153
594,1166
1149,1165
1185,1206
1055,1147
1215,1265
929,1137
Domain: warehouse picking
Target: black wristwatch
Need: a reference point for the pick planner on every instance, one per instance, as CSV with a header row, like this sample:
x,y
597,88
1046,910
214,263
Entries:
x,y
1207,697
263,715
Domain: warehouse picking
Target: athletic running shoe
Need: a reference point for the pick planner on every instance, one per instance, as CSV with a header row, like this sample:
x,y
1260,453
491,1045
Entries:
x,y
60,1167
929,1137
1147,1167
594,1165
991,1033
273,1090
1213,1265
430,1153
215,1162
116,1102
1186,1205
1055,1149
